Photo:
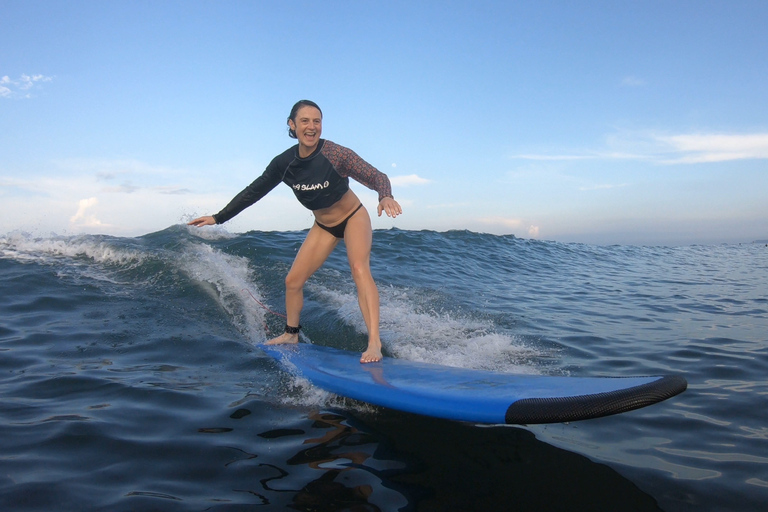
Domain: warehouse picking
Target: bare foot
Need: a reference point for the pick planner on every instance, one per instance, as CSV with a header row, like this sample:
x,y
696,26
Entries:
x,y
373,354
283,339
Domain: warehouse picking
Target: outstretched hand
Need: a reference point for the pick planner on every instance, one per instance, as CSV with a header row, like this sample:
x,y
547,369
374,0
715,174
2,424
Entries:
x,y
199,222
390,206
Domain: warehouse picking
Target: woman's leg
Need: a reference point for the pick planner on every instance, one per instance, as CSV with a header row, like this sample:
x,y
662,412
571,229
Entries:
x,y
358,238
313,252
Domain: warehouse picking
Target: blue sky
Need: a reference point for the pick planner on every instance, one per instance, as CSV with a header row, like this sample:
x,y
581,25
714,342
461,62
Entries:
x,y
638,122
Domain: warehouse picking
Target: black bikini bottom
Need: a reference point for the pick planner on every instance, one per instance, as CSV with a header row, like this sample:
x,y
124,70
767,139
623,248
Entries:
x,y
339,229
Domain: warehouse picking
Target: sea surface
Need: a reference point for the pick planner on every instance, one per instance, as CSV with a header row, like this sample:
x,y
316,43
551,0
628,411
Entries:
x,y
131,376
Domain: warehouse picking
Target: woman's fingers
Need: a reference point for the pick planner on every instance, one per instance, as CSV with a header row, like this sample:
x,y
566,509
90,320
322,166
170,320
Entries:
x,y
202,221
390,206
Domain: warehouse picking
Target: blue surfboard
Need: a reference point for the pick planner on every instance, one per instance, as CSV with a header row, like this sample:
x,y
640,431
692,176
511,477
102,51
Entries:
x,y
477,396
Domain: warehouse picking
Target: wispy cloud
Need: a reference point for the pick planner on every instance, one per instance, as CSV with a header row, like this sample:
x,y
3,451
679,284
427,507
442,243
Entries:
x,y
409,180
665,149
124,188
20,87
173,191
701,148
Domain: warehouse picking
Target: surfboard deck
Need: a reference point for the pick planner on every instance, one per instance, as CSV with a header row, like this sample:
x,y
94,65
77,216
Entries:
x,y
478,396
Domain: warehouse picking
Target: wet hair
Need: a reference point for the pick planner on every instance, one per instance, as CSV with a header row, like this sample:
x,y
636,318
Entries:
x,y
295,111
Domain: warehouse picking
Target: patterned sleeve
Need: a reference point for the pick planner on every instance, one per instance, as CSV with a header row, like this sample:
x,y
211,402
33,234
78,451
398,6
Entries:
x,y
348,164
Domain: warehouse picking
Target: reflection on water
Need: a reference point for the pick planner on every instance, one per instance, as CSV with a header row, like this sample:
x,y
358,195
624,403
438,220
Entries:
x,y
389,460
343,478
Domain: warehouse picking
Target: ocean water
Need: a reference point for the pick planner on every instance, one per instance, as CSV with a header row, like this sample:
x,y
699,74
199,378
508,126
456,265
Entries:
x,y
131,376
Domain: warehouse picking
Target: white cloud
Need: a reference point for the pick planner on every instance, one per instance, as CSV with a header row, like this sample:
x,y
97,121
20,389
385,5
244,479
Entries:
x,y
173,191
669,149
82,218
701,148
125,188
406,181
17,88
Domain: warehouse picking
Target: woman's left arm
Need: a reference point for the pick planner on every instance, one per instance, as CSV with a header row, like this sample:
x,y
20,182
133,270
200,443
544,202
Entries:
x,y
348,164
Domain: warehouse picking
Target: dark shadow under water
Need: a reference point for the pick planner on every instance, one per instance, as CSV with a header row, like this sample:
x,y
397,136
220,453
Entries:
x,y
416,463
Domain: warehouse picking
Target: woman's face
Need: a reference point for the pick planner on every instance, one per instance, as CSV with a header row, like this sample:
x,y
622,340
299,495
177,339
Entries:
x,y
308,126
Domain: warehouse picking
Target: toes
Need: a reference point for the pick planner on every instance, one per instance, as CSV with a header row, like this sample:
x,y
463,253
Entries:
x,y
370,359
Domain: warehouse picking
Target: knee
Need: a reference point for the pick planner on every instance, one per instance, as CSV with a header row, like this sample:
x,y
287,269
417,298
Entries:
x,y
293,282
360,270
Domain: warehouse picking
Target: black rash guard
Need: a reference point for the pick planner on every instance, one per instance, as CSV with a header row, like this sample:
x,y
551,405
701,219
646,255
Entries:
x,y
318,181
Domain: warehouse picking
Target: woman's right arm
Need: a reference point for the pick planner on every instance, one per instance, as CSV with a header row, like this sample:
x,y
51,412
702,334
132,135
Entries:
x,y
260,187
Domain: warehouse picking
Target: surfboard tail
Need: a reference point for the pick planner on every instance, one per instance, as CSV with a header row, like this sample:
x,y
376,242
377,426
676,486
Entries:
x,y
530,411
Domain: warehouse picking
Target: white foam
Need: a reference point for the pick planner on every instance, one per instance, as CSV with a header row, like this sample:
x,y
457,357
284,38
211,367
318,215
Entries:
x,y
217,232
409,330
230,281
24,247
301,393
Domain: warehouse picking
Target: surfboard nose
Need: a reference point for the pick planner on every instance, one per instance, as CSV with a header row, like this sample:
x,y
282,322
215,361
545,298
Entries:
x,y
532,411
